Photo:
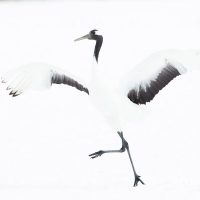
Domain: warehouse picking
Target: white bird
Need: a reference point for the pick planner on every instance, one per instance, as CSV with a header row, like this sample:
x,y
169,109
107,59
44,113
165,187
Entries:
x,y
138,87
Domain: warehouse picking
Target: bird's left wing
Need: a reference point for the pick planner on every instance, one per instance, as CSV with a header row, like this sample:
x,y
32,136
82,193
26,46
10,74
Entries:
x,y
149,77
38,76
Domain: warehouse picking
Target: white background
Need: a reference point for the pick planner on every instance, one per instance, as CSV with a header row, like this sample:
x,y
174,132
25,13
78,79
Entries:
x,y
46,137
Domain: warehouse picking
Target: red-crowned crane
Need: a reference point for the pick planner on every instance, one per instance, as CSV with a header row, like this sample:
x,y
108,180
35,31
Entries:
x,y
139,87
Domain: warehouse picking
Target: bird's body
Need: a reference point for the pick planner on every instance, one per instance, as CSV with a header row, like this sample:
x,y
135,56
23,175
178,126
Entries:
x,y
104,97
137,87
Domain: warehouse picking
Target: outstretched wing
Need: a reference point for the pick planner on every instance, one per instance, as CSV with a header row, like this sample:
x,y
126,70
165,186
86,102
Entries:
x,y
151,76
38,76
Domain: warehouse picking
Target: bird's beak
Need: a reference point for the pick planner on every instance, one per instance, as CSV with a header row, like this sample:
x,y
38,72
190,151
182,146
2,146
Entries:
x,y
82,38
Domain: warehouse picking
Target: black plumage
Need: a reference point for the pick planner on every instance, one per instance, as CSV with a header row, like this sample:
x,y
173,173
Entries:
x,y
63,79
99,41
142,95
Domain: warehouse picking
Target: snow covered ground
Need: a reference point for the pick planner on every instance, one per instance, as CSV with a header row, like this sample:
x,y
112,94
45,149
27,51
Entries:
x,y
46,137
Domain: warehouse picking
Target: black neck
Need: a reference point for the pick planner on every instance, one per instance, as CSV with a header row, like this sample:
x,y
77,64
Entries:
x,y
99,41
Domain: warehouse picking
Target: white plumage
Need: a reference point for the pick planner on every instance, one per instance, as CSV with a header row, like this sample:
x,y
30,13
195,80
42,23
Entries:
x,y
139,86
35,76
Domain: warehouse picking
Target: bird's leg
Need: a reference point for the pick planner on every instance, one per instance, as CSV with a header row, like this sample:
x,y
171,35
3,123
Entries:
x,y
101,152
124,147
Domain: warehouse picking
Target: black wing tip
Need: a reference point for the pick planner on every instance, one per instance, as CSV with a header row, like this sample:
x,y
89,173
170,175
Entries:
x,y
3,80
14,93
11,93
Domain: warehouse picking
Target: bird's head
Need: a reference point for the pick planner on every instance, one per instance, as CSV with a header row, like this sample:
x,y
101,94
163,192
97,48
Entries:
x,y
93,36
90,36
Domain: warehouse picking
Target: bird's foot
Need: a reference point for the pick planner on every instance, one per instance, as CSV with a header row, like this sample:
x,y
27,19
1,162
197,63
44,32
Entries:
x,y
96,154
137,179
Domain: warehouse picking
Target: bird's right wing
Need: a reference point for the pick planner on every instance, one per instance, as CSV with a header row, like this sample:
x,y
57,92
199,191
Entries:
x,y
38,76
57,78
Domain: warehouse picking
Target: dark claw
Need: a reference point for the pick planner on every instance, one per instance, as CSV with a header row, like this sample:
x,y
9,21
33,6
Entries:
x,y
137,179
96,154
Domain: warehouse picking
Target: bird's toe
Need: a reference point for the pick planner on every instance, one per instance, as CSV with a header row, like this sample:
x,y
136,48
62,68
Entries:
x,y
137,180
96,154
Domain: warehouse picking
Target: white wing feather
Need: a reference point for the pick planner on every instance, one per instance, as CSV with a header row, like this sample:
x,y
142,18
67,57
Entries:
x,y
145,72
36,76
